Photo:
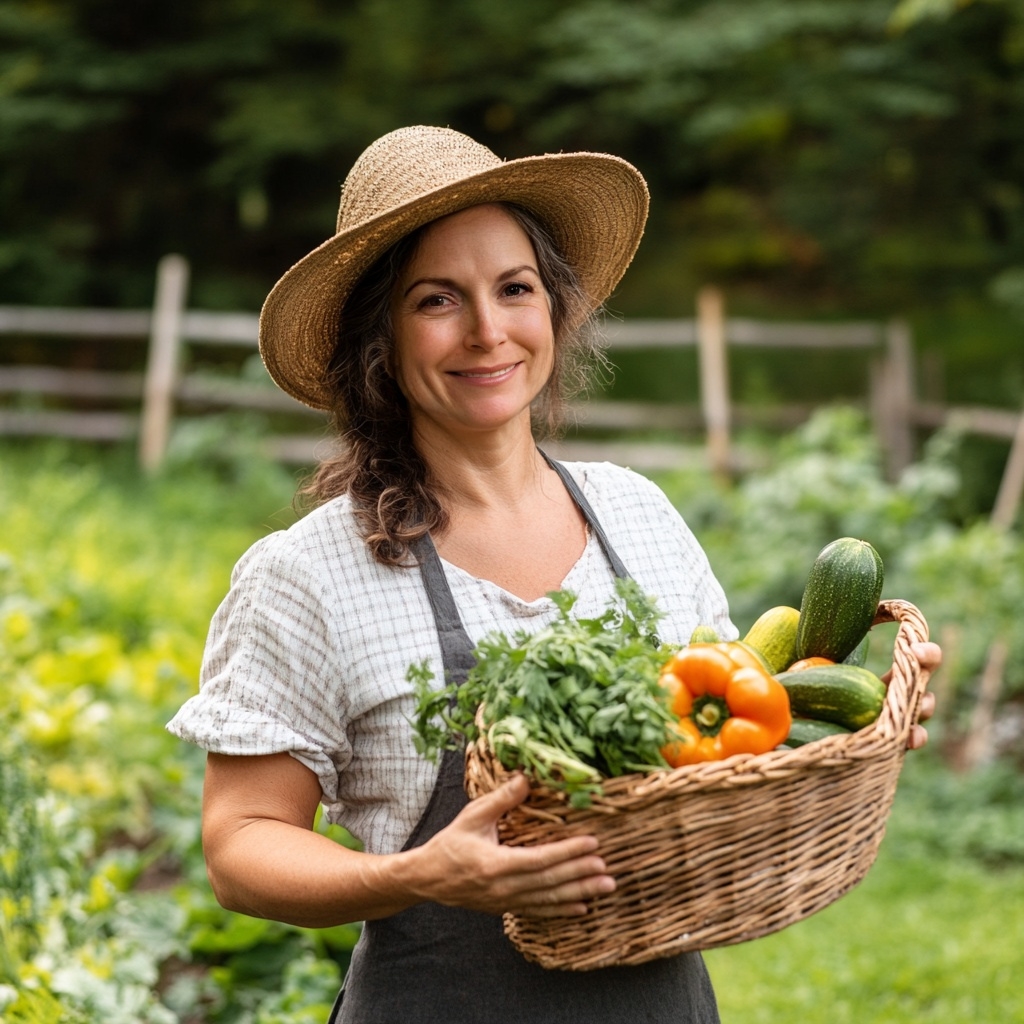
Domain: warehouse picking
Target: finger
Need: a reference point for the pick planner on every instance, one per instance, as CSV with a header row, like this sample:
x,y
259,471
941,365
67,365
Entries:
x,y
540,883
918,737
927,707
491,806
929,654
570,898
571,857
485,811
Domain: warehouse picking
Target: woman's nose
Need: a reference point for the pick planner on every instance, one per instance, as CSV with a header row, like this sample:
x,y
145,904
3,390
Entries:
x,y
486,329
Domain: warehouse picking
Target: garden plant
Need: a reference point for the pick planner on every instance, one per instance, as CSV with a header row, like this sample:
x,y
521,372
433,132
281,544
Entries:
x,y
107,583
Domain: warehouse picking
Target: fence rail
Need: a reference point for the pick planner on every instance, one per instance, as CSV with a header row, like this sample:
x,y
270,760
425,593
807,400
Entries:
x,y
160,389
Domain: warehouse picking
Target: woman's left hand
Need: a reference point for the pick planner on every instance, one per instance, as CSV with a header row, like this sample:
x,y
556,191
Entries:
x,y
929,655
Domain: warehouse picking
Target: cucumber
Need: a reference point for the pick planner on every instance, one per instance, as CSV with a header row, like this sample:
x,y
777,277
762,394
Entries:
x,y
843,694
807,730
774,635
704,635
840,599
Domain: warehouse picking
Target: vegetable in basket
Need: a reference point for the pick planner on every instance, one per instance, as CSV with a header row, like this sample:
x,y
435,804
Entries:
x,y
726,703
571,704
845,694
840,599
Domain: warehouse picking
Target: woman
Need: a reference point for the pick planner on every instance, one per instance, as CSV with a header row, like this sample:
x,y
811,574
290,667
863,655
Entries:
x,y
452,308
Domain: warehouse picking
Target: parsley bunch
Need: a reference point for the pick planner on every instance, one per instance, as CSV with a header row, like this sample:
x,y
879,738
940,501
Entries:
x,y
574,703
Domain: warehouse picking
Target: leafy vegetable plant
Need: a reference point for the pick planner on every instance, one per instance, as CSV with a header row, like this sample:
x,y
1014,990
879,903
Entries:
x,y
571,704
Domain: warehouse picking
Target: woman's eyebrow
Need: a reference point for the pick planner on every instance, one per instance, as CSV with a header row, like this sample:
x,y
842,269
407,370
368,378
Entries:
x,y
447,282
518,270
441,282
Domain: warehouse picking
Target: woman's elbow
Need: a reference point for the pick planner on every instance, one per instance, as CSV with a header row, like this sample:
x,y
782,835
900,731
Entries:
x,y
223,891
220,881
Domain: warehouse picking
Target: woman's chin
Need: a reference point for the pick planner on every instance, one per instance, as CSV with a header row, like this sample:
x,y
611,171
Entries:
x,y
479,422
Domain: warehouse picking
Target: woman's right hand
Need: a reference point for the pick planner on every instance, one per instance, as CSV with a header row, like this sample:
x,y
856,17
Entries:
x,y
464,864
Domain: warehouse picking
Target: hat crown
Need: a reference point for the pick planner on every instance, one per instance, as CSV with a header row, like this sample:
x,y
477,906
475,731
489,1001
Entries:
x,y
406,164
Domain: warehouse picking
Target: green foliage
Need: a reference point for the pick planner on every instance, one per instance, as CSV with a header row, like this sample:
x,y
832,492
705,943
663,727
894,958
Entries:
x,y
107,584
72,942
801,139
790,144
977,817
574,702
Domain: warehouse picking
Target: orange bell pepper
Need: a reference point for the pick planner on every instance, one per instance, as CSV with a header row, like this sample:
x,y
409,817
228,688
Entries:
x,y
726,703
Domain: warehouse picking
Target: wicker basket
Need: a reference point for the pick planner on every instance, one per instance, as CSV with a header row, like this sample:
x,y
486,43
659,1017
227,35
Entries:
x,y
722,852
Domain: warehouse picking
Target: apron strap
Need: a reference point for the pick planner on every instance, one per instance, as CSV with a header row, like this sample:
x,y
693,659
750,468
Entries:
x,y
456,648
590,515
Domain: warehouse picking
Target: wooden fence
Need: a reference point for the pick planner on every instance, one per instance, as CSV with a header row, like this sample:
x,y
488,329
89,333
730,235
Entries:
x,y
143,403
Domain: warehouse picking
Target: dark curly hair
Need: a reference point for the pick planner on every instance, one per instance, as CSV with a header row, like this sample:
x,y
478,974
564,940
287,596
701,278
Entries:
x,y
394,495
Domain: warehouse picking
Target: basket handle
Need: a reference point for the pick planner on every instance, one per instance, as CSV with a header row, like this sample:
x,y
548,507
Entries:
x,y
909,679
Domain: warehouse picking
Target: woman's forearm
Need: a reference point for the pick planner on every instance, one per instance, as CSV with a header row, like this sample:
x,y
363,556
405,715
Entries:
x,y
273,869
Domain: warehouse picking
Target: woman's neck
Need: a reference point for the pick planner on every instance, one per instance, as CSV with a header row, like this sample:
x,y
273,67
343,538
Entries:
x,y
482,471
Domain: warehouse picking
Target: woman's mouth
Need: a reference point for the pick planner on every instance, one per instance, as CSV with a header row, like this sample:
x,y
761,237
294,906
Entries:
x,y
496,374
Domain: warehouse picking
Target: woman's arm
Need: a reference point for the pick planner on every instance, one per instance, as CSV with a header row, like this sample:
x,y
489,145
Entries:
x,y
263,859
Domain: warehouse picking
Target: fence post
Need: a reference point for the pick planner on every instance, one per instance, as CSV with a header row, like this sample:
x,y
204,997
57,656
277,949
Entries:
x,y
163,360
714,377
893,398
1012,484
977,747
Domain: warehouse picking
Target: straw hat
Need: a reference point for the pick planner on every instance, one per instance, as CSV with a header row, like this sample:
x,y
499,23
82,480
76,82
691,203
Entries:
x,y
595,206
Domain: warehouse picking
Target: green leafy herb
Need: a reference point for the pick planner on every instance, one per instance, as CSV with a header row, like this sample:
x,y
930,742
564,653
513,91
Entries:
x,y
571,704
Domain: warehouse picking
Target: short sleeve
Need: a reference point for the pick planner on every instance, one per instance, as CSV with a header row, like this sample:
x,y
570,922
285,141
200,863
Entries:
x,y
659,549
709,596
269,679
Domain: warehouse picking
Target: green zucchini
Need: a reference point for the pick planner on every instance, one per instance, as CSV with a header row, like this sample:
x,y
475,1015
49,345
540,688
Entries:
x,y
844,694
807,730
774,635
840,600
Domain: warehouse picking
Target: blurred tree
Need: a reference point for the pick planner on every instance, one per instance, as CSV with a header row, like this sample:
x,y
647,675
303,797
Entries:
x,y
810,144
855,151
220,128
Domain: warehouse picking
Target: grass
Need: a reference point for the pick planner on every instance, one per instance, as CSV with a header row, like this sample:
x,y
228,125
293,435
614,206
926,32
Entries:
x,y
925,939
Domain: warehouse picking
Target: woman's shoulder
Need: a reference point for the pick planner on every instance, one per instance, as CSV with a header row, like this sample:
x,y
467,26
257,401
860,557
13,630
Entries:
x,y
608,482
327,533
631,506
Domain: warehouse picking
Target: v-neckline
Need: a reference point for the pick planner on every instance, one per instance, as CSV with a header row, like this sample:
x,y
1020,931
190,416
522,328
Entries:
x,y
539,604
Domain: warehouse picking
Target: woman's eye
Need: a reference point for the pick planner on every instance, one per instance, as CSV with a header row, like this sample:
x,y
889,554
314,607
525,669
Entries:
x,y
434,301
517,288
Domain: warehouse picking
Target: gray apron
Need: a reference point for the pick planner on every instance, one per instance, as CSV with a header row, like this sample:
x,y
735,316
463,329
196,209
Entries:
x,y
432,964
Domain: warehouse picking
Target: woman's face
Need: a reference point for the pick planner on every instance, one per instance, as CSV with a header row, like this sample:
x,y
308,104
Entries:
x,y
474,344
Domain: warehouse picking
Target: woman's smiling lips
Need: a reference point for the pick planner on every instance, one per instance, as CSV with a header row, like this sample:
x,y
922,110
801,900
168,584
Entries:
x,y
485,375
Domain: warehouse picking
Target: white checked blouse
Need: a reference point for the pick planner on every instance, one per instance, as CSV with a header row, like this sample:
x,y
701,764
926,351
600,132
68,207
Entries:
x,y
309,650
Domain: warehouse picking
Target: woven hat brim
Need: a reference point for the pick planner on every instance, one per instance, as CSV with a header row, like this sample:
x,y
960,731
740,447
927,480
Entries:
x,y
594,204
